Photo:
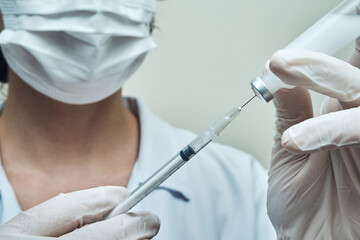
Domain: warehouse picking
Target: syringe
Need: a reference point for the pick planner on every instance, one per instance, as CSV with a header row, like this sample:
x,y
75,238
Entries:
x,y
329,35
176,162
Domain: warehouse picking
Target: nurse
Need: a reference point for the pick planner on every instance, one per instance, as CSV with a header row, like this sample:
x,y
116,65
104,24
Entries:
x,y
66,127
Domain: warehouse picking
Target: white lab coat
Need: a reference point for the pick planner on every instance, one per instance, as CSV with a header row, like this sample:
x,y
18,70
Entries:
x,y
220,194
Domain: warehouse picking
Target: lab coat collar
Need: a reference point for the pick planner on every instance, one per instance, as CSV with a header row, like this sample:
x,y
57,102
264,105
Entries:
x,y
157,146
8,201
9,204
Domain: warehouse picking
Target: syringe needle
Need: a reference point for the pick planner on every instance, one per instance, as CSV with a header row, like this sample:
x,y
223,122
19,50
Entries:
x,y
247,102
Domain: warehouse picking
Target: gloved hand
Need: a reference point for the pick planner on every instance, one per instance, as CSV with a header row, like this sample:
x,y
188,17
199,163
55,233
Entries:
x,y
77,216
314,177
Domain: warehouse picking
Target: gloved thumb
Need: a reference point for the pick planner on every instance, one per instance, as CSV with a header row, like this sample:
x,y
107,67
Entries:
x,y
326,132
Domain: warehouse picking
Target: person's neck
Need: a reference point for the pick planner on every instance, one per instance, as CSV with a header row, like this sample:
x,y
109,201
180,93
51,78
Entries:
x,y
38,131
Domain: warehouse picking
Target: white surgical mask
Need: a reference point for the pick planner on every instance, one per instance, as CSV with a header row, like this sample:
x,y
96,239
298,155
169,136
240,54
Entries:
x,y
76,51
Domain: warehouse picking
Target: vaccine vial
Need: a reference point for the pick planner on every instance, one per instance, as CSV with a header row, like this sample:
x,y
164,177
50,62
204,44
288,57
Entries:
x,y
329,35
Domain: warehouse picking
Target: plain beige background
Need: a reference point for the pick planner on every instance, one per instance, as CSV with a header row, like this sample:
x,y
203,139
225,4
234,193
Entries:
x,y
209,51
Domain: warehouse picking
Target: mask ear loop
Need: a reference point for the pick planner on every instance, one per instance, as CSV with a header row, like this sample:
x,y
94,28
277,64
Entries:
x,y
4,71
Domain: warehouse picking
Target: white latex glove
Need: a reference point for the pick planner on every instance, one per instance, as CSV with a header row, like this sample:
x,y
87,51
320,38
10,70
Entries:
x,y
314,177
77,216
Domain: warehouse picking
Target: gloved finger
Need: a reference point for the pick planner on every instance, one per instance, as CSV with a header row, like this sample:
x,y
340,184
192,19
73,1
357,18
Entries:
x,y
66,212
129,226
326,132
318,72
292,106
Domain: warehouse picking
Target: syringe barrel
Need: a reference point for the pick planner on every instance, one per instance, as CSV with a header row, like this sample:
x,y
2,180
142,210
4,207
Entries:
x,y
329,35
149,185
